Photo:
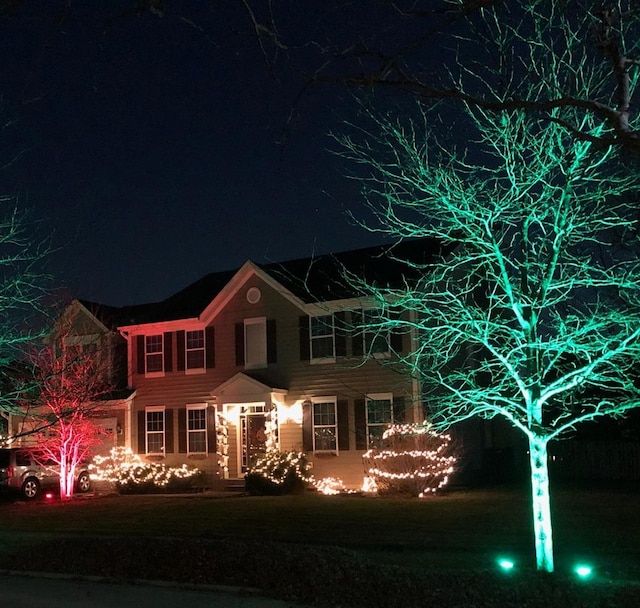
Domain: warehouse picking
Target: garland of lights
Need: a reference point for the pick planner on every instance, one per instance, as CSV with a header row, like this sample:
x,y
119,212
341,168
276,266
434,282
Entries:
x,y
222,448
413,458
123,467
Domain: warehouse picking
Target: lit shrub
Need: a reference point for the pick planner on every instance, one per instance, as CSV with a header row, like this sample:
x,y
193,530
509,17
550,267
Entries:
x,y
277,473
130,475
412,459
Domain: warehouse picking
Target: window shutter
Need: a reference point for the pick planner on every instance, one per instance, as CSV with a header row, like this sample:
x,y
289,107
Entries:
x,y
357,347
239,343
168,431
180,354
140,354
305,347
211,430
343,424
395,337
272,342
341,334
399,411
307,426
210,345
168,352
142,445
182,430
361,424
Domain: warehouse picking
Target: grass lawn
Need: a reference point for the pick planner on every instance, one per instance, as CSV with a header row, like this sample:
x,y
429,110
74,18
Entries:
x,y
445,545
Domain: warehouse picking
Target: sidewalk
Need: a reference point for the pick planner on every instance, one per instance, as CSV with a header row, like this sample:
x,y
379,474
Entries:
x,y
37,590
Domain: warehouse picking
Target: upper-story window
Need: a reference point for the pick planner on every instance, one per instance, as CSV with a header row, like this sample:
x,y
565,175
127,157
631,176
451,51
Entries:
x,y
375,338
255,342
194,349
322,337
379,410
154,353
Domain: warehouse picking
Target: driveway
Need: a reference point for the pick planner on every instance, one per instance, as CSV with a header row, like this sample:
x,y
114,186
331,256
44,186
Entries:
x,y
27,590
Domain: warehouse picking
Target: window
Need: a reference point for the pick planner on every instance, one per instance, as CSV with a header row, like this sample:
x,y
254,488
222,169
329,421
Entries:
x,y
325,430
153,354
196,429
375,338
322,336
379,417
194,344
255,342
154,430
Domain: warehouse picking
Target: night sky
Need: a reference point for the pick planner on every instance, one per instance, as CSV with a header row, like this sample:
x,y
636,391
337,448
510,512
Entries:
x,y
155,149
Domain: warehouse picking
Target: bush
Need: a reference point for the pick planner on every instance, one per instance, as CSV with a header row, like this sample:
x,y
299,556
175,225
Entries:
x,y
278,473
131,475
412,459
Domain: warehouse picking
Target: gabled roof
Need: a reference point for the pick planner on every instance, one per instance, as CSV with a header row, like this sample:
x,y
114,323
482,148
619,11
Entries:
x,y
311,280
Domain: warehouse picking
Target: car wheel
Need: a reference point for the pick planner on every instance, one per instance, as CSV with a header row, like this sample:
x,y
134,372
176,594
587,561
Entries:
x,y
30,488
84,482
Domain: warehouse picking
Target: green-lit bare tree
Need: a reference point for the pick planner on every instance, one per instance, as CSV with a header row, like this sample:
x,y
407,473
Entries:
x,y
535,314
22,291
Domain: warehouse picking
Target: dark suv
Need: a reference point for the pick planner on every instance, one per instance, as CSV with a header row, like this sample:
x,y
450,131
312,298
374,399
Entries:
x,y
19,472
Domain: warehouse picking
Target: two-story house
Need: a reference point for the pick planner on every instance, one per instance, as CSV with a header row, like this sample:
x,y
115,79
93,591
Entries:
x,y
265,356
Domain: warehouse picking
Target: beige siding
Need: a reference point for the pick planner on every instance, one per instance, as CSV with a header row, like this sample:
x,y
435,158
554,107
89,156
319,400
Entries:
x,y
347,379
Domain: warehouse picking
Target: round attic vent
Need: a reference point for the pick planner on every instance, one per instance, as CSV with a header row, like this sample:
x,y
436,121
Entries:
x,y
253,295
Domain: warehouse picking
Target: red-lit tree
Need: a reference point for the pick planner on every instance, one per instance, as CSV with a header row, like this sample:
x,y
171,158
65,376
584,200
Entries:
x,y
70,378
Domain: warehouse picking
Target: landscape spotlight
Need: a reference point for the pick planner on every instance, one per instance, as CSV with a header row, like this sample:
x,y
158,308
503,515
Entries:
x,y
506,564
583,570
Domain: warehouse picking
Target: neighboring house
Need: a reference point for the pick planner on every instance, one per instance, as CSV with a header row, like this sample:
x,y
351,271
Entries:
x,y
111,411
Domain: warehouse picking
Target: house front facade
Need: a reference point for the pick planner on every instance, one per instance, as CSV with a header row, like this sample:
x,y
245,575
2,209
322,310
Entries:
x,y
266,356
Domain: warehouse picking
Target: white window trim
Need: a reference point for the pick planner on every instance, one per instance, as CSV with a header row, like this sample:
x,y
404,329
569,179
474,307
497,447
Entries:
x,y
255,321
195,370
192,407
376,397
158,374
331,399
320,360
149,409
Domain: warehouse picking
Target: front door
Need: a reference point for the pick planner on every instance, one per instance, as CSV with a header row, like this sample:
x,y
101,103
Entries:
x,y
254,438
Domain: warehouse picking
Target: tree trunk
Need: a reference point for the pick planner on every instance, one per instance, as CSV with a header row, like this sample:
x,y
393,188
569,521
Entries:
x,y
541,503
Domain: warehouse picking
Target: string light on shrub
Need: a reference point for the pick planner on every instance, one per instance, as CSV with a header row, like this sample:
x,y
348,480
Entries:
x,y
123,467
412,459
331,486
277,466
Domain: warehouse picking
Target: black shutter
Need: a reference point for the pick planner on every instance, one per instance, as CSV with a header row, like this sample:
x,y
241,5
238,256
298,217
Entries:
x,y
357,347
180,346
395,338
307,426
211,430
168,431
360,416
140,354
210,345
303,325
399,411
341,334
343,425
168,352
142,446
239,343
182,430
